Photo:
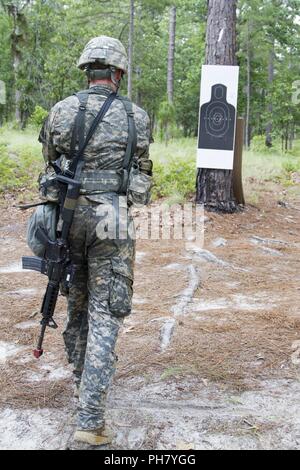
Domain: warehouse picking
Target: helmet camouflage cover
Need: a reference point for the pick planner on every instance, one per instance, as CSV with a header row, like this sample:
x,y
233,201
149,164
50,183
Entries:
x,y
106,50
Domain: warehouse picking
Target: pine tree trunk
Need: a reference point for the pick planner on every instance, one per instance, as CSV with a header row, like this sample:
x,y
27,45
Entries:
x,y
269,127
247,126
130,49
19,22
292,136
139,95
171,55
215,187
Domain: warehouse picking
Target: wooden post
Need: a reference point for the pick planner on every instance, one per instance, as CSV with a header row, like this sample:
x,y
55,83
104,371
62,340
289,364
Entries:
x,y
237,181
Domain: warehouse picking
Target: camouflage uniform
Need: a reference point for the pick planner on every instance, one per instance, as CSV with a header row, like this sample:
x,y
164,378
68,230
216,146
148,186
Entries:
x,y
101,293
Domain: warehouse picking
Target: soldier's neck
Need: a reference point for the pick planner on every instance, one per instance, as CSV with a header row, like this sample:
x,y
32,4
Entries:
x,y
106,83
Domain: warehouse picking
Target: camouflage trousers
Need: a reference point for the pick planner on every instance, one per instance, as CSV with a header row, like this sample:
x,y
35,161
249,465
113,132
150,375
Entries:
x,y
99,299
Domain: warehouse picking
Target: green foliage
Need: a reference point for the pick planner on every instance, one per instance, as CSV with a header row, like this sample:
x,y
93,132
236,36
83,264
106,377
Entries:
x,y
174,169
174,166
38,116
291,166
8,179
173,372
278,148
166,120
258,145
175,180
269,29
21,171
190,55
166,114
52,35
20,160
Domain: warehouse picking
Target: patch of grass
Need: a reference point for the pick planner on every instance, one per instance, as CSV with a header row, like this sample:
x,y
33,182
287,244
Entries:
x,y
174,165
174,169
20,159
15,137
258,146
175,179
171,372
7,167
291,166
293,191
262,167
253,197
177,371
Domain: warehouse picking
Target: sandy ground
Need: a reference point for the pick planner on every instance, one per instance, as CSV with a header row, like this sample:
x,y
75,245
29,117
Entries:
x,y
209,359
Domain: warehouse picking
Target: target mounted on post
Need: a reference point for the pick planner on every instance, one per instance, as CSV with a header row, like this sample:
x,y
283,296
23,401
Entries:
x,y
217,120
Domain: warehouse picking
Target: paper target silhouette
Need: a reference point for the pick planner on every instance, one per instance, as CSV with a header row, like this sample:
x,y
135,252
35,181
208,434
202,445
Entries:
x,y
217,121
218,118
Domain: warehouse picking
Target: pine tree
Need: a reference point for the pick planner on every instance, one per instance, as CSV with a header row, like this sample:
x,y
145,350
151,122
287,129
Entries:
x,y
215,187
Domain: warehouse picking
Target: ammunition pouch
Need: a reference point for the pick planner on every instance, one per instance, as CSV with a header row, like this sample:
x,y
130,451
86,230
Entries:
x,y
139,187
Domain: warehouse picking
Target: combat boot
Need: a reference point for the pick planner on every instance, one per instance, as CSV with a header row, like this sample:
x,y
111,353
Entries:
x,y
94,437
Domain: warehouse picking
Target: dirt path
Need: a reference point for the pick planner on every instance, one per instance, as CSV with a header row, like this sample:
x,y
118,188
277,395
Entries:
x,y
209,359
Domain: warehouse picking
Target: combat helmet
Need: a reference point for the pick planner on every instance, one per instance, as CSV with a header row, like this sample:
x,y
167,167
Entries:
x,y
106,51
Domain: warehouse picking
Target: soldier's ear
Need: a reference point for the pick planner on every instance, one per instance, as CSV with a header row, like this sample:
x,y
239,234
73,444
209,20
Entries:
x,y
119,74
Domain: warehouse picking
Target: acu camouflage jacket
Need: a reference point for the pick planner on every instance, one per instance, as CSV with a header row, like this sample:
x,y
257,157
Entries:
x,y
107,147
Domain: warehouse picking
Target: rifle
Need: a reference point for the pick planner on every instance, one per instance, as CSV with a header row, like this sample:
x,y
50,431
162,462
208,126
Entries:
x,y
56,263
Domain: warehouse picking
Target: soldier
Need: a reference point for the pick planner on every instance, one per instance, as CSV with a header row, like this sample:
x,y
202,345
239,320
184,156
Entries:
x,y
116,174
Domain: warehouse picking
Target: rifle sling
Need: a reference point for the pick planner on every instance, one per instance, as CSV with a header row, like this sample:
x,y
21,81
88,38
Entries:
x,y
78,131
77,163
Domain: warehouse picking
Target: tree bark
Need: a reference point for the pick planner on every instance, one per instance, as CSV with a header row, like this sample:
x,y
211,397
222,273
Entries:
x,y
247,126
16,12
215,187
171,54
269,127
292,136
139,94
130,49
16,54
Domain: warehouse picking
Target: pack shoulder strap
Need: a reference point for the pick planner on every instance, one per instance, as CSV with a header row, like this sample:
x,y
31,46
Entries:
x,y
78,130
132,134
